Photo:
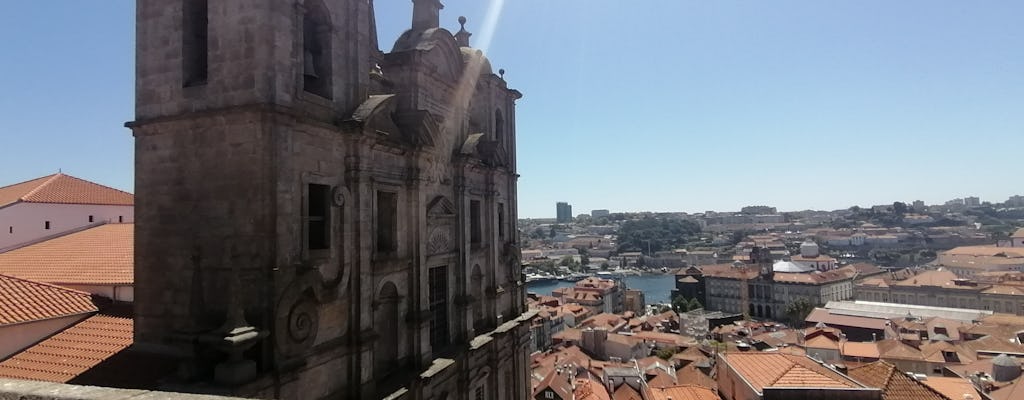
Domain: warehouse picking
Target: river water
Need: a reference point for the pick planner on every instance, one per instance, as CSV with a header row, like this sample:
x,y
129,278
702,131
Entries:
x,y
656,288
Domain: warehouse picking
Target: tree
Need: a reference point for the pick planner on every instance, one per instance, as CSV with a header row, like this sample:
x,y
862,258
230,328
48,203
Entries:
x,y
680,304
651,234
665,354
799,309
899,208
695,304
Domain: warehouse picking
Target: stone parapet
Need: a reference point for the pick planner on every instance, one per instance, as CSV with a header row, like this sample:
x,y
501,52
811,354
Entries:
x,y
13,389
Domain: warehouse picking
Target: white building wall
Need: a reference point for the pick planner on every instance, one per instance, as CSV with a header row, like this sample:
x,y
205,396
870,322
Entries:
x,y
118,293
17,337
26,222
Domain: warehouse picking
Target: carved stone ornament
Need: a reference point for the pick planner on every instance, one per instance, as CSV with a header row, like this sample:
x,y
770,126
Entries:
x,y
439,241
303,322
338,196
298,321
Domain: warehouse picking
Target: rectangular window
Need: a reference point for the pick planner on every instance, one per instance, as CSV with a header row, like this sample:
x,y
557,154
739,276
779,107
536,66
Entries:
x,y
475,232
90,218
318,221
46,225
387,222
438,292
195,27
120,218
501,220
10,229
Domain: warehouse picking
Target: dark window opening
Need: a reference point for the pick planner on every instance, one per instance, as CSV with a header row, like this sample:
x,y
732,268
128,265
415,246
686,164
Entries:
x,y
120,218
387,222
318,222
438,280
10,229
501,220
90,218
475,234
194,50
499,125
316,45
46,225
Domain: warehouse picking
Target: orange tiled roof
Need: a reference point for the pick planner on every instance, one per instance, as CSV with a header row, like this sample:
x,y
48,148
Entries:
x,y
626,392
952,387
763,370
24,301
682,392
71,352
63,189
691,374
860,349
102,255
894,383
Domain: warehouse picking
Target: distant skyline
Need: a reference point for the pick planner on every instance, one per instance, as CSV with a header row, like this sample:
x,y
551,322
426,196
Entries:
x,y
631,106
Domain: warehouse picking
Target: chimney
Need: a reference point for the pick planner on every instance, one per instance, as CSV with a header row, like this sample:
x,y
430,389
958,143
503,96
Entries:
x,y
426,14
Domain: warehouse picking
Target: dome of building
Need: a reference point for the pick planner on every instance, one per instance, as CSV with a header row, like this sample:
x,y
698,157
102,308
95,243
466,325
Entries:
x,y
1005,361
1005,368
789,266
809,249
471,55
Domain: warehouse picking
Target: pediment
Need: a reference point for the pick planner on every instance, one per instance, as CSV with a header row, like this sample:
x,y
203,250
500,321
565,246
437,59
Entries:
x,y
376,115
469,147
441,207
419,127
492,152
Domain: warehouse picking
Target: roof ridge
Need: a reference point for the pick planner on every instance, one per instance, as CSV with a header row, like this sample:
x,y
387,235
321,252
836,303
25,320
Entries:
x,y
62,288
42,185
28,180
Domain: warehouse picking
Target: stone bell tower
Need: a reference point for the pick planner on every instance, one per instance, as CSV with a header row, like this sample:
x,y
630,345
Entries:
x,y
317,218
241,266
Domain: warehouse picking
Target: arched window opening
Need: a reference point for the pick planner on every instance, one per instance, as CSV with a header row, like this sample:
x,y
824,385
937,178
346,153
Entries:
x,y
194,50
386,325
316,49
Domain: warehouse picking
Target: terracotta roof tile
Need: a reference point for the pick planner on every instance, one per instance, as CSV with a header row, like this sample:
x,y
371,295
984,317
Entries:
x,y
894,383
63,189
952,387
860,349
691,374
24,301
763,370
101,255
73,351
682,392
626,392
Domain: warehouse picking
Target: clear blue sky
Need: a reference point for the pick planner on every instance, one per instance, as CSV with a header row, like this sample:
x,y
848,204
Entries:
x,y
661,105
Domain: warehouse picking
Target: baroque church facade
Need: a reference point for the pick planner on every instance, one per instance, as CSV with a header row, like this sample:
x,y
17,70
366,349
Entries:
x,y
317,218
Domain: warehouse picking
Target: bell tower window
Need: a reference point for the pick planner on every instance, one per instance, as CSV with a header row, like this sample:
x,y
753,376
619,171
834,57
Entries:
x,y
316,49
499,125
318,221
195,27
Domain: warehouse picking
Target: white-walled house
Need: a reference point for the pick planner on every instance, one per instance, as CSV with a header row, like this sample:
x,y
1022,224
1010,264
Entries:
x,y
31,311
56,204
97,260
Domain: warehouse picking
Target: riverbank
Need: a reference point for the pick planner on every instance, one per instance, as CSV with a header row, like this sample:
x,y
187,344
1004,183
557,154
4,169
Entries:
x,y
657,287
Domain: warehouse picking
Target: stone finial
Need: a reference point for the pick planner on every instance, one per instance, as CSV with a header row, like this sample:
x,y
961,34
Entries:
x,y
501,73
426,14
462,36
